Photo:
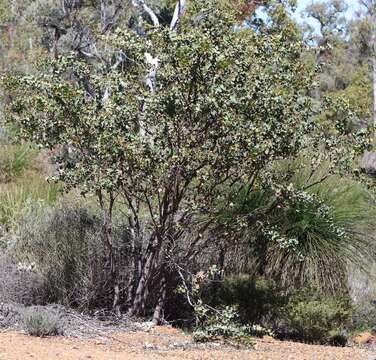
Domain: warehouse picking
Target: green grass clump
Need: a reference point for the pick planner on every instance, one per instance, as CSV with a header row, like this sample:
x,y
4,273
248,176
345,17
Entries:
x,y
14,160
15,196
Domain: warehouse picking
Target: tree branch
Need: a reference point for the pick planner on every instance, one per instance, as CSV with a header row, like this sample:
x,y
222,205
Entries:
x,y
153,17
179,9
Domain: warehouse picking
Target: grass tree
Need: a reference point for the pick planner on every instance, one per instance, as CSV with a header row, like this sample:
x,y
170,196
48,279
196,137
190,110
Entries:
x,y
225,104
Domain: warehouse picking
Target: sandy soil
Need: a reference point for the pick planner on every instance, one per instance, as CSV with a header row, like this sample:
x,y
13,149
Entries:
x,y
162,343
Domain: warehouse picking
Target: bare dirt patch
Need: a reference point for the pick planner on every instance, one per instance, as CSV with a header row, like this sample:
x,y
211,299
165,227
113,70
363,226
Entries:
x,y
162,343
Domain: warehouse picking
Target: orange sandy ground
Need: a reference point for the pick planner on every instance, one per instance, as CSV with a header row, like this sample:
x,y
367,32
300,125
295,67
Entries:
x,y
140,345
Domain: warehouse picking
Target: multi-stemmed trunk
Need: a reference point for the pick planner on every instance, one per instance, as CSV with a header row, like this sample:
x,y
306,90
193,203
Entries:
x,y
111,250
148,265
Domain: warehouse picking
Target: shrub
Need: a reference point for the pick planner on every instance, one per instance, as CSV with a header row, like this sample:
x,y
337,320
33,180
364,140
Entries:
x,y
65,243
19,284
60,241
256,298
42,322
364,315
223,323
213,322
315,318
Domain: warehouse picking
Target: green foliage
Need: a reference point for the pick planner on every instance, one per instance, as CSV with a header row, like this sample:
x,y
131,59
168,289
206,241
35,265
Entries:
x,y
315,318
221,113
14,197
308,242
221,319
14,159
364,318
256,298
184,123
312,236
224,324
358,91
111,151
332,225
109,138
22,181
41,322
306,314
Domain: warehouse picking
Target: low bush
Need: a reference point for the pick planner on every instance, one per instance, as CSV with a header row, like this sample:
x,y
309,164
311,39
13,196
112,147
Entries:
x,y
42,322
315,318
60,240
363,294
65,243
364,317
19,284
304,315
256,298
223,323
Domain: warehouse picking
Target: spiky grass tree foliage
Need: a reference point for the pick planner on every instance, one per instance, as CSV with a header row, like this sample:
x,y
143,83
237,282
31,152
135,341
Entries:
x,y
313,236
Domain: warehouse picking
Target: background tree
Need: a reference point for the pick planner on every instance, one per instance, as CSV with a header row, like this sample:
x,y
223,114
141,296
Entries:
x,y
366,29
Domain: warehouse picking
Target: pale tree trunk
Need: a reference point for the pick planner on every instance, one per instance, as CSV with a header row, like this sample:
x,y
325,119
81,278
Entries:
x,y
179,9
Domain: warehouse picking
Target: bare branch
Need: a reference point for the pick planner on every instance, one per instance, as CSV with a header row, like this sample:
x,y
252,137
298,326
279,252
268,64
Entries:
x,y
152,72
147,10
179,9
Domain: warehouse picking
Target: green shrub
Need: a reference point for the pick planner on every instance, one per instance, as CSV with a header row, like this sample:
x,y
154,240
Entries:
x,y
61,241
314,318
41,322
256,298
223,323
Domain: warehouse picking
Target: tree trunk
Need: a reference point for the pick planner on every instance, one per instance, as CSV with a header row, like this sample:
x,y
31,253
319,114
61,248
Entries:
x,y
114,273
158,312
112,258
116,301
135,264
138,305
